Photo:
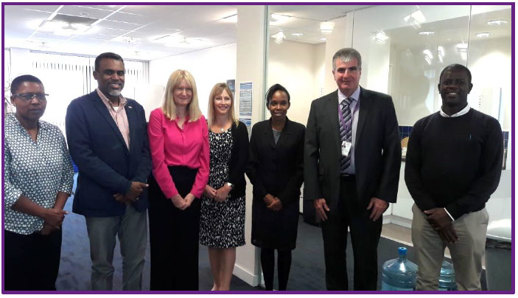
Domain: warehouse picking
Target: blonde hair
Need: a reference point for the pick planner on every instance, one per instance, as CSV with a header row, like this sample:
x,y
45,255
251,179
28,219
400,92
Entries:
x,y
169,106
217,90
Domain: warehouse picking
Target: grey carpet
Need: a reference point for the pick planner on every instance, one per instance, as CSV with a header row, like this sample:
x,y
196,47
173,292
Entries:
x,y
307,270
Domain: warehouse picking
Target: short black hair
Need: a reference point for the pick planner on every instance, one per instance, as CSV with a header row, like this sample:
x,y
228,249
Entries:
x,y
272,90
107,55
15,84
456,67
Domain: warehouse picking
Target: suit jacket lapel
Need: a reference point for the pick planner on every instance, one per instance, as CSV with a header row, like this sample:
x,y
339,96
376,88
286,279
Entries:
x,y
363,113
331,109
132,121
101,108
285,134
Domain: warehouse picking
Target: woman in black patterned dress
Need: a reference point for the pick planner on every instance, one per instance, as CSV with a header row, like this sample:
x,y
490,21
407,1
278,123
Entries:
x,y
222,223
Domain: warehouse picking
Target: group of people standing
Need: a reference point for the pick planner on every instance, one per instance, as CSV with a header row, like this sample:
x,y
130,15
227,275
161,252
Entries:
x,y
188,171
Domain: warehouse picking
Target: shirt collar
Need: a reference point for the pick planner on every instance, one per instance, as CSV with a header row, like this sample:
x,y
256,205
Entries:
x,y
458,114
105,99
355,96
12,117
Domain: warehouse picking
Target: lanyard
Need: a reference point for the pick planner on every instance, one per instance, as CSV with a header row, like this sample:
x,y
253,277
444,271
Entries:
x,y
341,116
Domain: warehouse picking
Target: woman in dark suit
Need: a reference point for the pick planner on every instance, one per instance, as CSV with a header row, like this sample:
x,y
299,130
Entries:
x,y
276,171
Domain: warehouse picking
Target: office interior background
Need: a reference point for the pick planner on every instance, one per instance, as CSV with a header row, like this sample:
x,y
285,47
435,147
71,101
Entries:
x,y
404,48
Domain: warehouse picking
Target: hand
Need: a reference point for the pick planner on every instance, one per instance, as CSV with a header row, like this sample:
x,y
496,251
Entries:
x,y
135,190
120,198
178,202
276,205
54,217
209,191
378,206
448,234
189,198
222,193
321,208
438,218
268,199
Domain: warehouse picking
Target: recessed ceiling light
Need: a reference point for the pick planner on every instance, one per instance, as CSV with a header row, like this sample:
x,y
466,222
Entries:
x,y
483,34
426,33
323,39
380,37
279,37
297,34
497,22
327,27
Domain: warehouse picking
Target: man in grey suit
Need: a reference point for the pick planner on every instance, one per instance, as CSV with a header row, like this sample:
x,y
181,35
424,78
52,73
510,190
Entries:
x,y
352,157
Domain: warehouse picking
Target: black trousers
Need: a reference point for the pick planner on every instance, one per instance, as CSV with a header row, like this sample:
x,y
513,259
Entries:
x,y
174,236
365,234
31,262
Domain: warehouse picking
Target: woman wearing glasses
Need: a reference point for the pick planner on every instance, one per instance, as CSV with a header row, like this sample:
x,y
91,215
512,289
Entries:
x,y
38,182
178,139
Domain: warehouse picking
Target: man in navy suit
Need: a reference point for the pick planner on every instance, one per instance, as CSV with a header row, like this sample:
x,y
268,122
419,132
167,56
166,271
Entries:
x,y
108,141
352,157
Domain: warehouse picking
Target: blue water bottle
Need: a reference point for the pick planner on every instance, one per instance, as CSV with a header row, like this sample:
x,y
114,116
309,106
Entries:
x,y
399,274
447,277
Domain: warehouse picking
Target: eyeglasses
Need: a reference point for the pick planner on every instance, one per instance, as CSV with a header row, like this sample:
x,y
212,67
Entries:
x,y
30,96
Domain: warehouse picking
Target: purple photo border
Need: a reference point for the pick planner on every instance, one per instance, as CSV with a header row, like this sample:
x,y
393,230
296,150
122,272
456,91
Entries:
x,y
513,273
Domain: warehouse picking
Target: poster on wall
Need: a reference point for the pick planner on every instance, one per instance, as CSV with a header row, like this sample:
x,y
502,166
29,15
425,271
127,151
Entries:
x,y
245,103
232,86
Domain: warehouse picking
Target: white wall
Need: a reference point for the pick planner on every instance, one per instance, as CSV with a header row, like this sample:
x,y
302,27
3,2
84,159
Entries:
x,y
299,68
209,66
250,67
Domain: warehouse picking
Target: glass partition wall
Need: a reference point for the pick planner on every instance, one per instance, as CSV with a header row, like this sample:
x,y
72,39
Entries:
x,y
404,48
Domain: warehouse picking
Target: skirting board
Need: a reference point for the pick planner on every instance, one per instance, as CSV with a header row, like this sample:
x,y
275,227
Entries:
x,y
397,220
246,276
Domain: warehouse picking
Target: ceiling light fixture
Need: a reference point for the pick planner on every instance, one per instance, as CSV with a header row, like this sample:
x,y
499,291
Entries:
x,y
426,33
279,37
380,37
497,22
415,19
440,53
462,49
327,27
65,25
428,56
483,35
297,34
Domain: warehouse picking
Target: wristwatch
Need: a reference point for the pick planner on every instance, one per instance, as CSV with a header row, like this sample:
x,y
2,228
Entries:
x,y
230,184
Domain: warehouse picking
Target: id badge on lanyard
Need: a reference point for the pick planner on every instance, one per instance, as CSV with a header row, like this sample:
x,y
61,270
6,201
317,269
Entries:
x,y
346,148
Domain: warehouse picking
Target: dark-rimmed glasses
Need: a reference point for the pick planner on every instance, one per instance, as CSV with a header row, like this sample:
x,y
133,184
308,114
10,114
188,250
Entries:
x,y
31,96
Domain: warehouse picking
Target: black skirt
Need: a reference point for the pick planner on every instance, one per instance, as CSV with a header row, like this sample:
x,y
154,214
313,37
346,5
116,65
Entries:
x,y
174,235
274,229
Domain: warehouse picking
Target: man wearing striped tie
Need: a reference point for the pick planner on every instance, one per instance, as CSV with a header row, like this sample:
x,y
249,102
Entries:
x,y
352,157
